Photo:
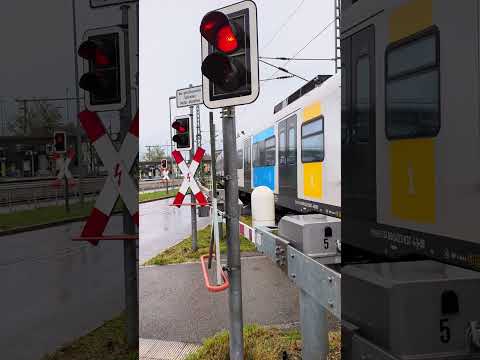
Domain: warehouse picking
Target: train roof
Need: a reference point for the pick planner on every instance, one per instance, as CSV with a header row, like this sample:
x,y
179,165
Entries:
x,y
318,82
297,94
307,94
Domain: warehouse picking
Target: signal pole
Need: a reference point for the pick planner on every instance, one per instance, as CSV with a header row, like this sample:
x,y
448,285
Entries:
x,y
192,196
77,104
129,246
233,241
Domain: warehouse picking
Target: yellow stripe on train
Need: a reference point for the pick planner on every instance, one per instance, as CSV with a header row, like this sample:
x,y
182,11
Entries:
x,y
312,172
410,18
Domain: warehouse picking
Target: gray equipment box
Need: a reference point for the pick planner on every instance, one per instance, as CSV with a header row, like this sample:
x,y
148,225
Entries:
x,y
314,235
413,310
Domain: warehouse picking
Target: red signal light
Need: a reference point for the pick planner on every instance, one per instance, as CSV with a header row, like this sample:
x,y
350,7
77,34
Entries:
x,y
101,58
90,51
211,23
179,127
226,40
59,138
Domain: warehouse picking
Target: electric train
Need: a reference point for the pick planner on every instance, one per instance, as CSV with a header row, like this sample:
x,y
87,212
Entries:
x,y
298,155
410,179
411,128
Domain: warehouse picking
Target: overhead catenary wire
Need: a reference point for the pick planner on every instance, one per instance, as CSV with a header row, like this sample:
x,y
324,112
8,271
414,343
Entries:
x,y
295,59
279,78
303,47
282,69
287,20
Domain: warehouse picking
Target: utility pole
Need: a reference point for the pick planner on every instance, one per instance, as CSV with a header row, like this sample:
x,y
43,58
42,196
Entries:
x,y
129,246
214,185
24,117
77,96
65,181
192,196
337,10
199,134
233,241
170,123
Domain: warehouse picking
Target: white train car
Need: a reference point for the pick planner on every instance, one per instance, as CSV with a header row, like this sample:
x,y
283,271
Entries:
x,y
307,132
411,128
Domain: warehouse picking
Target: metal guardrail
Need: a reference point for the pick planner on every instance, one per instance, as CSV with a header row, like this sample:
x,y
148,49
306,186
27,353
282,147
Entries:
x,y
33,192
319,285
158,184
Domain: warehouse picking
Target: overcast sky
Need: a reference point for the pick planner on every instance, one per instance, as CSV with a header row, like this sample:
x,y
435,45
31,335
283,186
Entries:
x,y
37,58
170,58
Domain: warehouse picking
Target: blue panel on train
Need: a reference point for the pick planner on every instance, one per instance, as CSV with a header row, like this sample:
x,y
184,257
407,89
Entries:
x,y
265,134
264,176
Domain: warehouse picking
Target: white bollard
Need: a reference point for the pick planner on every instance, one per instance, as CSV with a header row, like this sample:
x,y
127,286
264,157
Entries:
x,y
263,206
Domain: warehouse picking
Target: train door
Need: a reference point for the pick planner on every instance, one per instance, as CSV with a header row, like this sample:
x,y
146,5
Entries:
x,y
358,127
247,164
287,162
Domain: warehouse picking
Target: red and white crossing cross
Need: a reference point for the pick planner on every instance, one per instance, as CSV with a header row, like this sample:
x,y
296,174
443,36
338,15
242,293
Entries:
x,y
64,170
119,181
188,177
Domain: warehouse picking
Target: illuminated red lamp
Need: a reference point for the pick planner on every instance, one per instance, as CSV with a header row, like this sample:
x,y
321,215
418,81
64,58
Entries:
x,y
226,40
179,127
217,30
89,50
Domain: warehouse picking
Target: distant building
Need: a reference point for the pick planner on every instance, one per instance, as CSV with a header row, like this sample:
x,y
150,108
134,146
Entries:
x,y
22,156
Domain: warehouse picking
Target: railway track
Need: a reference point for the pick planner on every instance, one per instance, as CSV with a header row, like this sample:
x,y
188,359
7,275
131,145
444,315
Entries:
x,y
28,191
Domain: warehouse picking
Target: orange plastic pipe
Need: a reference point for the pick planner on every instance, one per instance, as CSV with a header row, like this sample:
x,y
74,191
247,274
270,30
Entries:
x,y
210,287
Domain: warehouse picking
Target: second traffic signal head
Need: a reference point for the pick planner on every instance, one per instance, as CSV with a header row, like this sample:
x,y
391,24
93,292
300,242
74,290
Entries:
x,y
104,83
230,55
60,141
183,134
163,163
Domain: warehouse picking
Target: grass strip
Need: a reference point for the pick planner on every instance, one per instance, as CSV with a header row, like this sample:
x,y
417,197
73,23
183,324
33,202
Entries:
x,y
182,252
43,215
156,195
262,343
48,214
108,342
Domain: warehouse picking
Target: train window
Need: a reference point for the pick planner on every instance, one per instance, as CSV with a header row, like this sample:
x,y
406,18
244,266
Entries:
x,y
261,152
240,159
247,155
281,148
270,151
361,118
256,155
292,148
313,148
413,87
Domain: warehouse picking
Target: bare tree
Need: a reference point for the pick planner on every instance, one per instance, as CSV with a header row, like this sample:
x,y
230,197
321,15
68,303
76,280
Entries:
x,y
40,119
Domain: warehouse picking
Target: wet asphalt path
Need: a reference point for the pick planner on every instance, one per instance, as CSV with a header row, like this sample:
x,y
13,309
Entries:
x,y
162,226
54,290
175,305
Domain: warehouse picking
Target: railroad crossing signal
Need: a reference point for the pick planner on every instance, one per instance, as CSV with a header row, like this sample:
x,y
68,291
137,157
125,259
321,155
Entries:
x,y
188,177
104,53
163,163
230,55
64,171
119,181
60,142
183,138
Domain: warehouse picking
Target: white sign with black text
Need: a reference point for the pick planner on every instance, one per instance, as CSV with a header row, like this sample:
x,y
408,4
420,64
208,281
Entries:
x,y
189,96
